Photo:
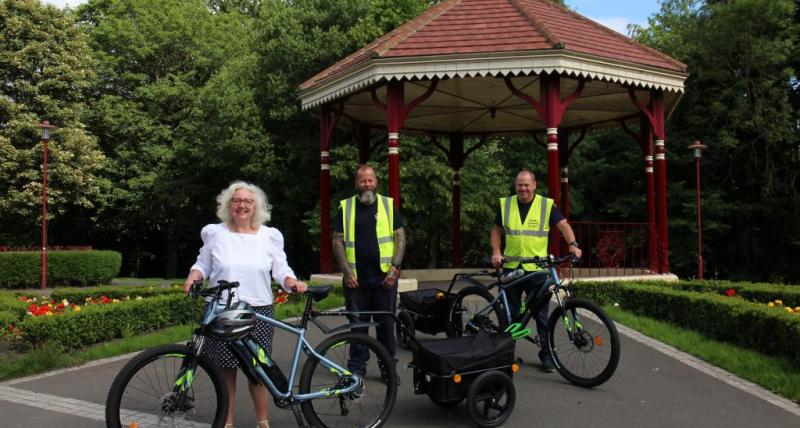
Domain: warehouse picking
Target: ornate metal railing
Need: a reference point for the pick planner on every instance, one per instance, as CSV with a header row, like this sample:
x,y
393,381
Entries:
x,y
611,249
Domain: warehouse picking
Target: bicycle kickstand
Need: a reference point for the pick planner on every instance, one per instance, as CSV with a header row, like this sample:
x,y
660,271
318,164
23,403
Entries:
x,y
298,416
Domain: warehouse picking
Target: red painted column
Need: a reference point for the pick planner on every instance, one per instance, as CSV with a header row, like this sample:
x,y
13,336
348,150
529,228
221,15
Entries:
x,y
551,104
550,93
652,225
363,144
661,180
326,130
563,160
396,112
456,162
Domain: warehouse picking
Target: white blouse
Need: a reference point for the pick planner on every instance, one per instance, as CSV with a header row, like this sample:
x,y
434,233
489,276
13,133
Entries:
x,y
250,259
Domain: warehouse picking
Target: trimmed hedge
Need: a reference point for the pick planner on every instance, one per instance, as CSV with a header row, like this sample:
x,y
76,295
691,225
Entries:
x,y
98,323
23,269
771,331
79,295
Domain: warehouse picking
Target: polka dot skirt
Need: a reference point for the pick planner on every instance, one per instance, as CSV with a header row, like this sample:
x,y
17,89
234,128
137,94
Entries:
x,y
220,352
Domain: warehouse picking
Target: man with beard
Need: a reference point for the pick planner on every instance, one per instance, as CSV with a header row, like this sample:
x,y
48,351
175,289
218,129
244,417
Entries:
x,y
369,243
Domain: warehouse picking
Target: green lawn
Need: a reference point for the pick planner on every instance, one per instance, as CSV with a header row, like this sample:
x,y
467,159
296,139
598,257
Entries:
x,y
777,374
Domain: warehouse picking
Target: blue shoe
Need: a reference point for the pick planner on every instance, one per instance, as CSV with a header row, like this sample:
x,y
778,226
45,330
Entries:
x,y
547,364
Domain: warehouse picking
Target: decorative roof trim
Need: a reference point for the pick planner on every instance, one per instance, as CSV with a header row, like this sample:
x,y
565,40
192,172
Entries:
x,y
484,64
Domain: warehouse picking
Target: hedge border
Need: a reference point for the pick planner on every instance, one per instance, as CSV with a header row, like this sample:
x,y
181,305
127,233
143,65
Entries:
x,y
770,331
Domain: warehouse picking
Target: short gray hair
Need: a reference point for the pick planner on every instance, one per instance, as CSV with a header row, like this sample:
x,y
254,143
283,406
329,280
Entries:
x,y
262,208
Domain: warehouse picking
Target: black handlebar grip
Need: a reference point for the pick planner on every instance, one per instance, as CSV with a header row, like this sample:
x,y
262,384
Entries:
x,y
486,261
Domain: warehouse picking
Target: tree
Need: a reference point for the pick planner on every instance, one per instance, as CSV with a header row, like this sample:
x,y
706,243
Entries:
x,y
295,41
46,69
150,109
741,100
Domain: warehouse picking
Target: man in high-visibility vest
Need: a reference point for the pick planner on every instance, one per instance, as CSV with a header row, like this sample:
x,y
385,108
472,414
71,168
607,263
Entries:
x,y
524,220
368,244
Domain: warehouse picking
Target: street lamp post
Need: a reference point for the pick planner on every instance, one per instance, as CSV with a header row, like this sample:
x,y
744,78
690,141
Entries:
x,y
45,127
698,148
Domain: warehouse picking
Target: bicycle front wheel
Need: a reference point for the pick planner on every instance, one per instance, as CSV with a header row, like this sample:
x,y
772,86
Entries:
x,y
463,318
584,343
371,403
156,390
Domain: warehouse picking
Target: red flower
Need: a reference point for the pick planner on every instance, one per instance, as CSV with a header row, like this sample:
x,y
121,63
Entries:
x,y
104,299
730,292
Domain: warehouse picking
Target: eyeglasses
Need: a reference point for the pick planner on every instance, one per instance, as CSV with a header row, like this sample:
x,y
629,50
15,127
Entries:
x,y
247,202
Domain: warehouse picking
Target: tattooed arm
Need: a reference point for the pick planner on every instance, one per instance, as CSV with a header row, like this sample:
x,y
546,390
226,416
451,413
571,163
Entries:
x,y
337,241
397,258
399,246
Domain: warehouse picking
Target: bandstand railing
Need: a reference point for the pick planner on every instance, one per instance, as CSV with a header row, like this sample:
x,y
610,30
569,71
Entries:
x,y
611,249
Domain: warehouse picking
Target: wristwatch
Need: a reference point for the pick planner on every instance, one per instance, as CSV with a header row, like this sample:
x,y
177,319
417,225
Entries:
x,y
574,244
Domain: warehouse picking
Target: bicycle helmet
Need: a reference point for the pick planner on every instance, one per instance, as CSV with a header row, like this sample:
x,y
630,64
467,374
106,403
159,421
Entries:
x,y
234,323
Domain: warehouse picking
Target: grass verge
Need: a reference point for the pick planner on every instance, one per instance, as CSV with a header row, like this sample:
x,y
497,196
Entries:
x,y
777,374
52,357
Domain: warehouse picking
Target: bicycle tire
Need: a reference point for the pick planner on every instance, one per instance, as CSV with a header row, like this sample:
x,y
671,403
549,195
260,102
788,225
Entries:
x,y
491,398
466,304
404,329
589,358
373,403
142,388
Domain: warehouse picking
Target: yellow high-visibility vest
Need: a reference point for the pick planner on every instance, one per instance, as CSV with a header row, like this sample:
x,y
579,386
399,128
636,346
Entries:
x,y
527,237
384,230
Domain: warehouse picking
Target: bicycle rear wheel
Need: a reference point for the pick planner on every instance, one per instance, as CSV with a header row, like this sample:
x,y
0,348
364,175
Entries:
x,y
145,391
584,343
463,319
371,403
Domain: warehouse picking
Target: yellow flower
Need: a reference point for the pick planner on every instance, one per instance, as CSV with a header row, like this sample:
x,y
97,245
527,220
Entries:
x,y
797,309
771,304
115,301
789,310
779,303
76,309
138,297
127,297
48,313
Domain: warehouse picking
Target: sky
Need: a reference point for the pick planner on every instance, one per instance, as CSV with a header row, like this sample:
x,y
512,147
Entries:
x,y
616,14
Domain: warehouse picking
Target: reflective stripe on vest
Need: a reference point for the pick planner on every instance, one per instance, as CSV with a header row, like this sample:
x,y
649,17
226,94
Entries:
x,y
384,230
525,237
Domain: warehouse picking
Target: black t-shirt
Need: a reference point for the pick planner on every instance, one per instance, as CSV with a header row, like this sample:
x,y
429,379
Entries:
x,y
555,213
368,257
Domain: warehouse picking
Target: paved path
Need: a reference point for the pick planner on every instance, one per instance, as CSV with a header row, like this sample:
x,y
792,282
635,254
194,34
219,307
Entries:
x,y
654,386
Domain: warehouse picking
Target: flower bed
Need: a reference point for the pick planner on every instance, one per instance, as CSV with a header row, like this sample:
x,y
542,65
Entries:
x,y
75,318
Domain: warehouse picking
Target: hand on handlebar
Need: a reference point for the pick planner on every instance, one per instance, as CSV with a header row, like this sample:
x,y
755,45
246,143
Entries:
x,y
192,285
497,261
295,285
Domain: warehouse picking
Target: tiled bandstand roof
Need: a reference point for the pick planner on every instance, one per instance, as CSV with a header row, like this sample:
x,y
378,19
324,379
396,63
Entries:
x,y
484,38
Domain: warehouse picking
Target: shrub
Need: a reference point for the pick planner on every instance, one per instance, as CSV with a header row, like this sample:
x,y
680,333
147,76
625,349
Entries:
x,y
98,323
22,269
6,318
731,319
79,295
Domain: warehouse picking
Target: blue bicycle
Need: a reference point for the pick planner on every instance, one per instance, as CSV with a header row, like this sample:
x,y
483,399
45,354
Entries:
x,y
176,386
580,336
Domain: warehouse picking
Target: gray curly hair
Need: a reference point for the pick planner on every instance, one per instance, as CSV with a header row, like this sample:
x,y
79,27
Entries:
x,y
262,209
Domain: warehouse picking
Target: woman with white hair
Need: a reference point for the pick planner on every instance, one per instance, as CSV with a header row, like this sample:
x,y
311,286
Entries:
x,y
243,249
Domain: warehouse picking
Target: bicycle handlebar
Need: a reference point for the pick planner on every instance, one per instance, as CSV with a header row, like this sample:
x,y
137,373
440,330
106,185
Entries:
x,y
542,262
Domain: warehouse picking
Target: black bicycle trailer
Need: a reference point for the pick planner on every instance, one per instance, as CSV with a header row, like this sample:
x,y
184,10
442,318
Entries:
x,y
479,368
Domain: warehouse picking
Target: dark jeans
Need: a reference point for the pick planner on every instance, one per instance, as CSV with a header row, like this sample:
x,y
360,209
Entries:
x,y
371,296
530,286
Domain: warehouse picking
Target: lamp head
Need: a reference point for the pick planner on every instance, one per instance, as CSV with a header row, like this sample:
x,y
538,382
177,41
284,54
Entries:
x,y
45,126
